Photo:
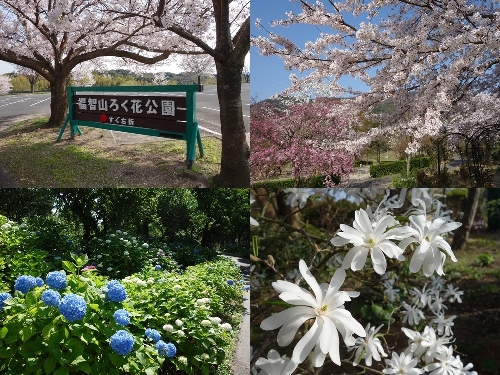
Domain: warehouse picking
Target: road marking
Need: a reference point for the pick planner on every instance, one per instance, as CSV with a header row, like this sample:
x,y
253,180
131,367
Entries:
x,y
19,101
210,131
218,110
31,105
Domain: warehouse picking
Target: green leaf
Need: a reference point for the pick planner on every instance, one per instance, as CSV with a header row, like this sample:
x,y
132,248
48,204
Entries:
x,y
278,303
62,371
31,299
27,332
142,359
50,365
151,371
78,360
68,266
94,306
46,329
3,332
6,353
116,360
85,367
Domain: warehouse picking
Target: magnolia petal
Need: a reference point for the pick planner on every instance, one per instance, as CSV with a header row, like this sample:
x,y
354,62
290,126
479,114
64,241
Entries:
x,y
334,349
423,247
339,241
277,320
378,260
405,242
429,264
287,333
311,280
274,355
359,260
285,286
346,263
301,298
307,342
338,279
441,242
361,217
318,358
416,262
348,229
345,317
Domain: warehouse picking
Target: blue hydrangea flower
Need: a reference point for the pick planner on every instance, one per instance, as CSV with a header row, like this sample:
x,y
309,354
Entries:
x,y
230,282
122,342
51,297
25,283
166,349
39,281
116,291
3,297
122,317
56,280
72,307
158,267
153,334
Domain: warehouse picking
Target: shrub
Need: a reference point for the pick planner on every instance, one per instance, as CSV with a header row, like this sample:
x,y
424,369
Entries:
x,y
399,166
484,260
307,182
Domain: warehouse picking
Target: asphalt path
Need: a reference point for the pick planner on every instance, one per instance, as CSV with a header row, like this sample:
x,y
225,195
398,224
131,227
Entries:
x,y
17,107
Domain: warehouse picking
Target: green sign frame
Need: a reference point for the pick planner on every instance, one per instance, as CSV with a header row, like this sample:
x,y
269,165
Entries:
x,y
191,134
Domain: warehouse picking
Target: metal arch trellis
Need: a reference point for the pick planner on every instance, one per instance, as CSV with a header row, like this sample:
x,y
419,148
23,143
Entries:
x,y
474,153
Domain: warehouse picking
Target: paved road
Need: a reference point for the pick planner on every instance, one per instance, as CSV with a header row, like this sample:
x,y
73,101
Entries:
x,y
18,107
241,360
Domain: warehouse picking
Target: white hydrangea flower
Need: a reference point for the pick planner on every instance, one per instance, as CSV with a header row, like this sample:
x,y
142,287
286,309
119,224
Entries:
x,y
215,320
370,238
179,322
177,287
110,268
206,323
182,360
403,364
169,327
181,333
202,301
205,356
275,364
370,346
326,307
227,327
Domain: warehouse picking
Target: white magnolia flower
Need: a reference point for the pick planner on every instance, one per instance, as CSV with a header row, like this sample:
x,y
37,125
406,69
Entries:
x,y
403,364
454,294
435,345
416,342
370,346
252,220
461,370
437,283
372,239
325,307
297,196
421,297
412,314
444,325
389,291
428,234
436,304
275,364
446,364
293,274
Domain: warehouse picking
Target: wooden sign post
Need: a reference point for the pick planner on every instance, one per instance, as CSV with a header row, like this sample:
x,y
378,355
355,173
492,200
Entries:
x,y
148,114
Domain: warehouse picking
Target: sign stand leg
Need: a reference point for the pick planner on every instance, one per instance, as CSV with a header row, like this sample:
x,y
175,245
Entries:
x,y
200,145
63,128
192,145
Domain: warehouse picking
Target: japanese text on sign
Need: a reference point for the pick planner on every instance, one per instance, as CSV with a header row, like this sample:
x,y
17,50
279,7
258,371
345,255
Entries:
x,y
135,106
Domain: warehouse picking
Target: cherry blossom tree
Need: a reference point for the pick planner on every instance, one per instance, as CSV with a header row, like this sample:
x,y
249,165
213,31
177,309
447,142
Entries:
x,y
198,64
300,136
82,75
4,85
53,37
32,75
427,56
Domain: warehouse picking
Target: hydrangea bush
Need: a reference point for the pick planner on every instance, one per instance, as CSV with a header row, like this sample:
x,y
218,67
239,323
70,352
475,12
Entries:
x,y
82,322
385,266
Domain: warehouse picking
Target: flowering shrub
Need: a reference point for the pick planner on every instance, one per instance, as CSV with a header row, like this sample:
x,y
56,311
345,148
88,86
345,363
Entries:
x,y
80,327
393,255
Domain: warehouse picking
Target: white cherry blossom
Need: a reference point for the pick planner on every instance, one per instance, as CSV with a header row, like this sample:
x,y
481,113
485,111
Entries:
x,y
325,307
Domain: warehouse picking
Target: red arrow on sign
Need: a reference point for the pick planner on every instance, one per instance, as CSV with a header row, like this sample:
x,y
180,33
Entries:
x,y
103,117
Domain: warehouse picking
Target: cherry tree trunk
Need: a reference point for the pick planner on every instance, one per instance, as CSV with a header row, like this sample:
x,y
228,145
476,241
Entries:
x,y
235,169
58,100
462,233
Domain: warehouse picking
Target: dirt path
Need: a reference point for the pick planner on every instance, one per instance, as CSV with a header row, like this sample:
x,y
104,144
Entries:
x,y
241,360
360,178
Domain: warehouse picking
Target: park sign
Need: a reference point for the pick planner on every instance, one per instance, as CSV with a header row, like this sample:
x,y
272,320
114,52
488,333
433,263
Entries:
x,y
144,110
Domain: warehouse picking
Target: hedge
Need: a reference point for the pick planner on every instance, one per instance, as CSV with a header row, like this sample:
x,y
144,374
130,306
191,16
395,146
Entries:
x,y
357,163
399,166
308,182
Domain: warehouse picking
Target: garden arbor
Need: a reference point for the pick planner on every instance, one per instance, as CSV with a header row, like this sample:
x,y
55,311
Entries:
x,y
476,150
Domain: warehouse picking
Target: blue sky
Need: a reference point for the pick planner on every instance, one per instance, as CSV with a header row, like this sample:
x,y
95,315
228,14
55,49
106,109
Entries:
x,y
5,67
268,76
